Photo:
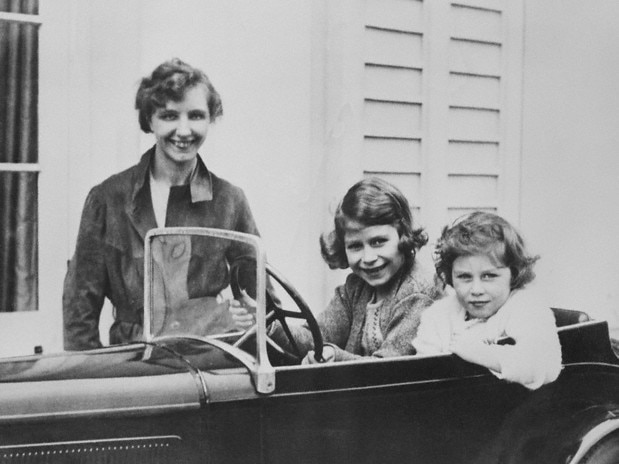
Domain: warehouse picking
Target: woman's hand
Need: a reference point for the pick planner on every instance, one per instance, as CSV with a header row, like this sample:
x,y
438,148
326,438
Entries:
x,y
243,312
328,355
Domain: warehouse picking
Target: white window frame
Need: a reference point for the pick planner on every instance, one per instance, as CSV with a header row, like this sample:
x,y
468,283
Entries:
x,y
20,18
19,331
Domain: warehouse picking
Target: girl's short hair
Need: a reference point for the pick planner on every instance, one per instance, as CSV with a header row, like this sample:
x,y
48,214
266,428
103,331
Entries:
x,y
169,81
484,233
370,202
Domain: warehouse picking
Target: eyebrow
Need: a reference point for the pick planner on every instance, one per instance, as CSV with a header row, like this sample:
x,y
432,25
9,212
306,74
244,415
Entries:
x,y
458,271
483,271
373,237
349,241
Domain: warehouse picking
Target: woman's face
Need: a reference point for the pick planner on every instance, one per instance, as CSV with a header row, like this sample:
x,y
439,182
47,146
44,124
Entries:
x,y
373,253
181,127
482,285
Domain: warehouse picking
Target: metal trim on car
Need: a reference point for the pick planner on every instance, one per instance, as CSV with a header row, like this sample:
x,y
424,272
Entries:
x,y
594,436
154,449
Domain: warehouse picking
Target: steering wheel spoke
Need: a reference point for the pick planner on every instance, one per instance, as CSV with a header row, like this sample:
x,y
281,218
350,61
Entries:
x,y
276,312
305,313
291,314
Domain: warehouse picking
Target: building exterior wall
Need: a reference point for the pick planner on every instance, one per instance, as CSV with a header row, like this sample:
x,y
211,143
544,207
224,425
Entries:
x,y
570,168
309,95
259,57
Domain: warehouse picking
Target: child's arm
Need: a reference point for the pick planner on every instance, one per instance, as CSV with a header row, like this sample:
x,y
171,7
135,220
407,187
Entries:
x,y
469,346
533,360
434,329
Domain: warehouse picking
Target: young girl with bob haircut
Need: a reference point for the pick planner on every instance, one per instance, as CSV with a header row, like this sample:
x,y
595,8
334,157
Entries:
x,y
377,310
484,259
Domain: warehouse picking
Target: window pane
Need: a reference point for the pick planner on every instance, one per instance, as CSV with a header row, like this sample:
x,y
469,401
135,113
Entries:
x,y
18,144
18,241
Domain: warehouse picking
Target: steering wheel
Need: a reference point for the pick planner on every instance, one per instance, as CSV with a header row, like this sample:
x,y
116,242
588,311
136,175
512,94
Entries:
x,y
276,312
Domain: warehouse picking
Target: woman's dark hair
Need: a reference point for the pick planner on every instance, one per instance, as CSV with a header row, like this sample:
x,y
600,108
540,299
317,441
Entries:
x,y
484,233
372,202
169,81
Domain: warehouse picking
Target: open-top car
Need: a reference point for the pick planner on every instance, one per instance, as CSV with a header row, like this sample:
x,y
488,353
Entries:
x,y
197,390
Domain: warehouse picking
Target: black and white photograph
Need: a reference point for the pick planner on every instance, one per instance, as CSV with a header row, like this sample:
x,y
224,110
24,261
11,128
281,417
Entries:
x,y
309,231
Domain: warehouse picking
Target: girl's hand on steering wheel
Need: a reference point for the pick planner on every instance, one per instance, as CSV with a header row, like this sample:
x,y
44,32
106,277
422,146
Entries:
x,y
243,312
328,355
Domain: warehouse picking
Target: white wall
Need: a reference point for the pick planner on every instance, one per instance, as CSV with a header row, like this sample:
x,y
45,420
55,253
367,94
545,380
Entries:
x,y
570,173
258,56
288,75
266,60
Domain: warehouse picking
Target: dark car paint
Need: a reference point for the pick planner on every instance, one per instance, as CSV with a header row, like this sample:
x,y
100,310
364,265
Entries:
x,y
425,410
185,401
135,401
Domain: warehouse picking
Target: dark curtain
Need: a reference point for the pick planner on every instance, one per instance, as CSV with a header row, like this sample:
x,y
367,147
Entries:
x,y
18,144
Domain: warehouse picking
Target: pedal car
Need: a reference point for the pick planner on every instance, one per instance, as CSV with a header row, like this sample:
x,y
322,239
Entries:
x,y
196,390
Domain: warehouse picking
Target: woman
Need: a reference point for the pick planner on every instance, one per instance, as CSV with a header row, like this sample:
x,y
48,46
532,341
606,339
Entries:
x,y
377,310
170,186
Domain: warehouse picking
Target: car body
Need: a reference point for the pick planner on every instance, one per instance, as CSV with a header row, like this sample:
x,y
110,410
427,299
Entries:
x,y
233,398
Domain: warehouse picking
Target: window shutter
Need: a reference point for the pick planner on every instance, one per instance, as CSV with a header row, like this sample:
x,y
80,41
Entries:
x,y
441,120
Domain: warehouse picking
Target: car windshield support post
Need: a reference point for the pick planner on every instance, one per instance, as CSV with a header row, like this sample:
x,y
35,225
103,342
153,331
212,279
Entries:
x,y
263,374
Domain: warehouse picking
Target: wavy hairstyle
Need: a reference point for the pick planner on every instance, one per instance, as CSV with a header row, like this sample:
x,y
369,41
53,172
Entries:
x,y
169,81
370,202
484,233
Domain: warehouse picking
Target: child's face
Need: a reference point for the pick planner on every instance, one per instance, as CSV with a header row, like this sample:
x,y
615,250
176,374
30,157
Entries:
x,y
373,253
482,284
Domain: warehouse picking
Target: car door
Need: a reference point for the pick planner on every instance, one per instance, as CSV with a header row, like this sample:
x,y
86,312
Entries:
x,y
131,403
413,409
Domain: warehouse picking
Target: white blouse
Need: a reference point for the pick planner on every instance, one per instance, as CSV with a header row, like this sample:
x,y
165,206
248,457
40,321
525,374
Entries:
x,y
533,361
159,194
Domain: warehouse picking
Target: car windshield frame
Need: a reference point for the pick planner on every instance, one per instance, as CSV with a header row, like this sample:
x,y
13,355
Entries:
x,y
259,366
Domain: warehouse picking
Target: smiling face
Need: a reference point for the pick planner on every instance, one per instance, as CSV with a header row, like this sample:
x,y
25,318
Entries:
x,y
373,254
481,283
181,127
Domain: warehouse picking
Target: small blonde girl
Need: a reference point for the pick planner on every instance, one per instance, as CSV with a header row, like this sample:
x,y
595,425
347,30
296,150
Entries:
x,y
484,259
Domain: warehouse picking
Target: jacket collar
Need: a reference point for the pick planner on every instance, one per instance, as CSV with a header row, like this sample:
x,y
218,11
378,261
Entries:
x,y
201,182
398,280
140,209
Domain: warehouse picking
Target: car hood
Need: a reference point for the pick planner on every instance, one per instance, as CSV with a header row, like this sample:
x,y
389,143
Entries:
x,y
125,361
118,381
133,360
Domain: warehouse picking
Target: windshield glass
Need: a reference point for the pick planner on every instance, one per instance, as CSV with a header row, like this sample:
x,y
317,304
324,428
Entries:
x,y
191,277
191,274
